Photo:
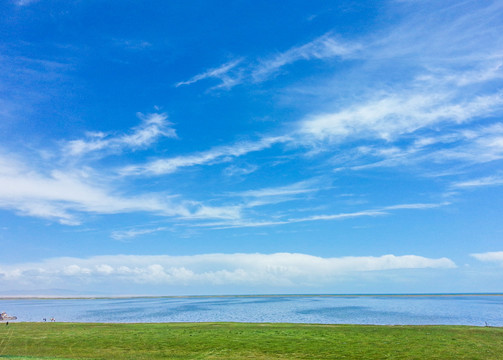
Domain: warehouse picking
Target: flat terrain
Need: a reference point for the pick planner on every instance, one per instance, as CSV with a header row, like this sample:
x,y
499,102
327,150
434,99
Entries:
x,y
246,341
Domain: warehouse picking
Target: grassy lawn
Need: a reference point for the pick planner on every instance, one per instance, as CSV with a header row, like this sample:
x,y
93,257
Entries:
x,y
246,341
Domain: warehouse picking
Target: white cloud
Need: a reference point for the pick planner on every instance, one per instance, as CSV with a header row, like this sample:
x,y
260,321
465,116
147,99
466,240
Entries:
x,y
427,100
221,73
240,170
452,34
443,74
495,256
279,269
153,126
480,150
487,72
132,233
396,114
324,47
485,181
231,74
63,195
213,156
275,195
376,212
301,187
242,223
463,146
341,216
418,206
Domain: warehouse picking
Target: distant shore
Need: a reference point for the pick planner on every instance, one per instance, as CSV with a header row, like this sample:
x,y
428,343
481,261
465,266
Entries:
x,y
91,297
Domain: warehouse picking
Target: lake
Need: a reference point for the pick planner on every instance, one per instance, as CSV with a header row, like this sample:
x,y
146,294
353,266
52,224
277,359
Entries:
x,y
322,309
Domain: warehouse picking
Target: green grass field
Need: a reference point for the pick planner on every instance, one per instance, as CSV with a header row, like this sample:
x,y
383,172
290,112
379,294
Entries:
x,y
246,341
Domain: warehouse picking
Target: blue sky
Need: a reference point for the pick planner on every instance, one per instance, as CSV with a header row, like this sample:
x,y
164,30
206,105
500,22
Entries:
x,y
212,147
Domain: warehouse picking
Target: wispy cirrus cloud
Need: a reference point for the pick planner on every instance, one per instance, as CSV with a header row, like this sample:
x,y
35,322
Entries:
x,y
404,124
64,195
488,71
371,212
442,38
278,194
480,150
340,216
238,71
480,182
278,269
382,211
301,187
447,78
222,73
324,47
423,40
459,146
438,90
240,170
132,233
213,156
255,223
416,206
293,189
153,127
394,115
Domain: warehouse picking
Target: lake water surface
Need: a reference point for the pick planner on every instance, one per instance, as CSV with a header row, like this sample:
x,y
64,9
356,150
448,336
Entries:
x,y
384,310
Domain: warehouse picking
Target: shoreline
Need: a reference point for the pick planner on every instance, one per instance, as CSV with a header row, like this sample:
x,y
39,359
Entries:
x,y
245,323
